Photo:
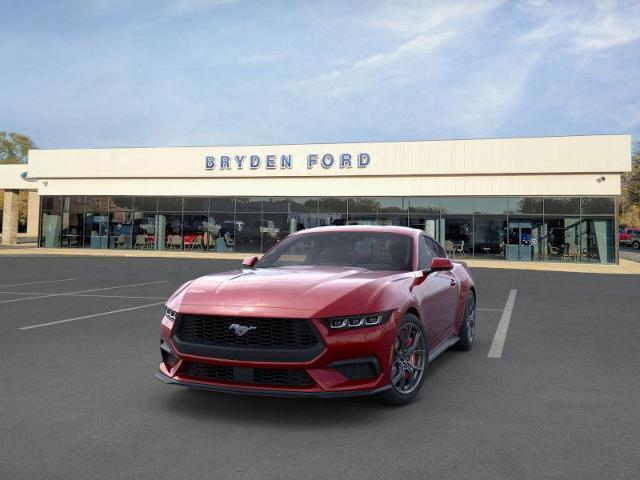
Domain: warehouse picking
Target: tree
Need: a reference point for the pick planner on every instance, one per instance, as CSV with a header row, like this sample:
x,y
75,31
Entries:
x,y
630,198
14,147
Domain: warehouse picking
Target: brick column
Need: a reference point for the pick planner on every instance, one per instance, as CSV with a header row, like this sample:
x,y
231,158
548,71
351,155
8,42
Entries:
x,y
33,214
10,217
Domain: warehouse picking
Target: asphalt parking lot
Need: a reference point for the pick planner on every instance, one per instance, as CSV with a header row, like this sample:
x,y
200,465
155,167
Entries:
x,y
629,253
78,399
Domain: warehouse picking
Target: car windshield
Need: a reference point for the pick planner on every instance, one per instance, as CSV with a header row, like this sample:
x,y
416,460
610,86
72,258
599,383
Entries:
x,y
370,250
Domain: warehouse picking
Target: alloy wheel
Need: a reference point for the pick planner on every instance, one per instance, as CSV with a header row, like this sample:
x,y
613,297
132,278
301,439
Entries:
x,y
470,318
409,358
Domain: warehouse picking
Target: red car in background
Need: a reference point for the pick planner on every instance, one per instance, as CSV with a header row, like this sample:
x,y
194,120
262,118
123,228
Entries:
x,y
629,237
329,311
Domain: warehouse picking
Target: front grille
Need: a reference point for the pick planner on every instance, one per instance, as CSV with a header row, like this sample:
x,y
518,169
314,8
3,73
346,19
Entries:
x,y
246,338
257,376
273,376
210,372
263,333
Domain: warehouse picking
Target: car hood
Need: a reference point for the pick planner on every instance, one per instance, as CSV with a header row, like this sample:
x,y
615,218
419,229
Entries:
x,y
322,291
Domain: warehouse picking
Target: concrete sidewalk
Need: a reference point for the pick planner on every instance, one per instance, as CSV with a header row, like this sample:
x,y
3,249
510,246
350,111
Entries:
x,y
625,267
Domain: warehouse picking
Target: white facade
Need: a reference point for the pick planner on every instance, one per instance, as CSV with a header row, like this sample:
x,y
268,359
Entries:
x,y
544,166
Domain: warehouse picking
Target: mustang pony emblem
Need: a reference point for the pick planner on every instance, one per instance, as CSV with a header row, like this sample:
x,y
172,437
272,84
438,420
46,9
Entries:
x,y
240,330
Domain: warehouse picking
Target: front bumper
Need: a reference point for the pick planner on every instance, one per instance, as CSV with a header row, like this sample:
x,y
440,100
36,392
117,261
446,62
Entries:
x,y
266,392
350,363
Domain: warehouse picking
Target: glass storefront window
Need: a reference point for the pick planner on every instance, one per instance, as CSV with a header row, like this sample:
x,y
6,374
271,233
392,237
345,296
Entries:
x,y
458,235
51,224
562,238
420,205
392,205
303,205
195,227
332,205
562,206
168,231
457,206
490,206
145,204
144,230
222,204
525,206
196,204
362,205
170,204
247,236
597,240
120,203
271,204
542,228
249,204
490,237
597,206
120,230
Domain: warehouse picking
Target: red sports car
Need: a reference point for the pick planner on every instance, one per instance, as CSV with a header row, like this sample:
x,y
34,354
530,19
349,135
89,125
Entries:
x,y
329,311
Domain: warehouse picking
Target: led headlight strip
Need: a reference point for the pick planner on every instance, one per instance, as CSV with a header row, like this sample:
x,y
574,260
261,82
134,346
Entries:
x,y
358,321
170,314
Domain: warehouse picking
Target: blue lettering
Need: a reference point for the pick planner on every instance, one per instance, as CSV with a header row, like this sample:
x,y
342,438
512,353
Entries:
x,y
209,163
254,162
224,163
327,160
271,162
345,160
285,162
240,161
312,159
363,160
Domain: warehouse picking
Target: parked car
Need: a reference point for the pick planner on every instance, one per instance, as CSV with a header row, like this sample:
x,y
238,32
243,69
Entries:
x,y
630,237
328,312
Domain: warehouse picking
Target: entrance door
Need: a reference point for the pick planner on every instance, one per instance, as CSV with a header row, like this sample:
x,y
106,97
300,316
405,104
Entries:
x,y
523,238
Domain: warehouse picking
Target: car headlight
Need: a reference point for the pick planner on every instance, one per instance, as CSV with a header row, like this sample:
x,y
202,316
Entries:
x,y
170,314
358,321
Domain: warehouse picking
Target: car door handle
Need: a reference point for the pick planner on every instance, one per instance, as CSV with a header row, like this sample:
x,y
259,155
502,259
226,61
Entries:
x,y
453,282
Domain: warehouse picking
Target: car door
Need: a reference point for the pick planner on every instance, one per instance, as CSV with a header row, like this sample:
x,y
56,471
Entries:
x,y
437,295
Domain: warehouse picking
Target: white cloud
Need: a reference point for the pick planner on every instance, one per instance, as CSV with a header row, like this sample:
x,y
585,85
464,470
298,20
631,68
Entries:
x,y
195,4
423,30
601,26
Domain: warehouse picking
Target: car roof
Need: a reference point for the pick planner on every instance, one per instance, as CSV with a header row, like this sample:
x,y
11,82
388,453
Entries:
x,y
363,228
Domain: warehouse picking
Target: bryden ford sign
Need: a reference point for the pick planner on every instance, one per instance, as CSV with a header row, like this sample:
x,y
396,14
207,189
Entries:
x,y
285,162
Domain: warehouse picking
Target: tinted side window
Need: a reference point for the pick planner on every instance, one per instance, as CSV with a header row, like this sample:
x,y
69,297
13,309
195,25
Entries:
x,y
437,248
426,252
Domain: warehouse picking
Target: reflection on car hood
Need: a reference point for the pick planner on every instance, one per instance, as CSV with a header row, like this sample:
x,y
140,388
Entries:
x,y
317,289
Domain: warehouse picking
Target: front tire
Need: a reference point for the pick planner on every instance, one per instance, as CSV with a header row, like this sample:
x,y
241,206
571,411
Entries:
x,y
468,327
410,357
636,245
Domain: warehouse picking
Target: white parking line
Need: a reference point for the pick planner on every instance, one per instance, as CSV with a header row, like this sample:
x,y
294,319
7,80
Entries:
x,y
83,295
501,332
66,320
80,291
41,281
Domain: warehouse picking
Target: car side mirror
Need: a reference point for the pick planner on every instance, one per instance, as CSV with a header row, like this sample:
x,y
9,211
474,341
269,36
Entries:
x,y
441,264
250,261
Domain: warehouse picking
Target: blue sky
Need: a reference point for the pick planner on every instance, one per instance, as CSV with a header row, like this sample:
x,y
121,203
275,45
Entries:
x,y
103,73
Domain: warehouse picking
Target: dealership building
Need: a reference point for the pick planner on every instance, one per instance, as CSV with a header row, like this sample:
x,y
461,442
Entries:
x,y
530,199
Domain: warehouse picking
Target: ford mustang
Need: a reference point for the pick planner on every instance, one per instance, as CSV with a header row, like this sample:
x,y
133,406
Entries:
x,y
328,311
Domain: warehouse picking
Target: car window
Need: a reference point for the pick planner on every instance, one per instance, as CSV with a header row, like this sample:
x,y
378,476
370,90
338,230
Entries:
x,y
426,252
371,250
437,247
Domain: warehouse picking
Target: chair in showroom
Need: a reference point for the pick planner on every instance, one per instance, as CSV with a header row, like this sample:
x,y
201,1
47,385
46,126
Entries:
x,y
448,247
459,248
141,241
176,242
